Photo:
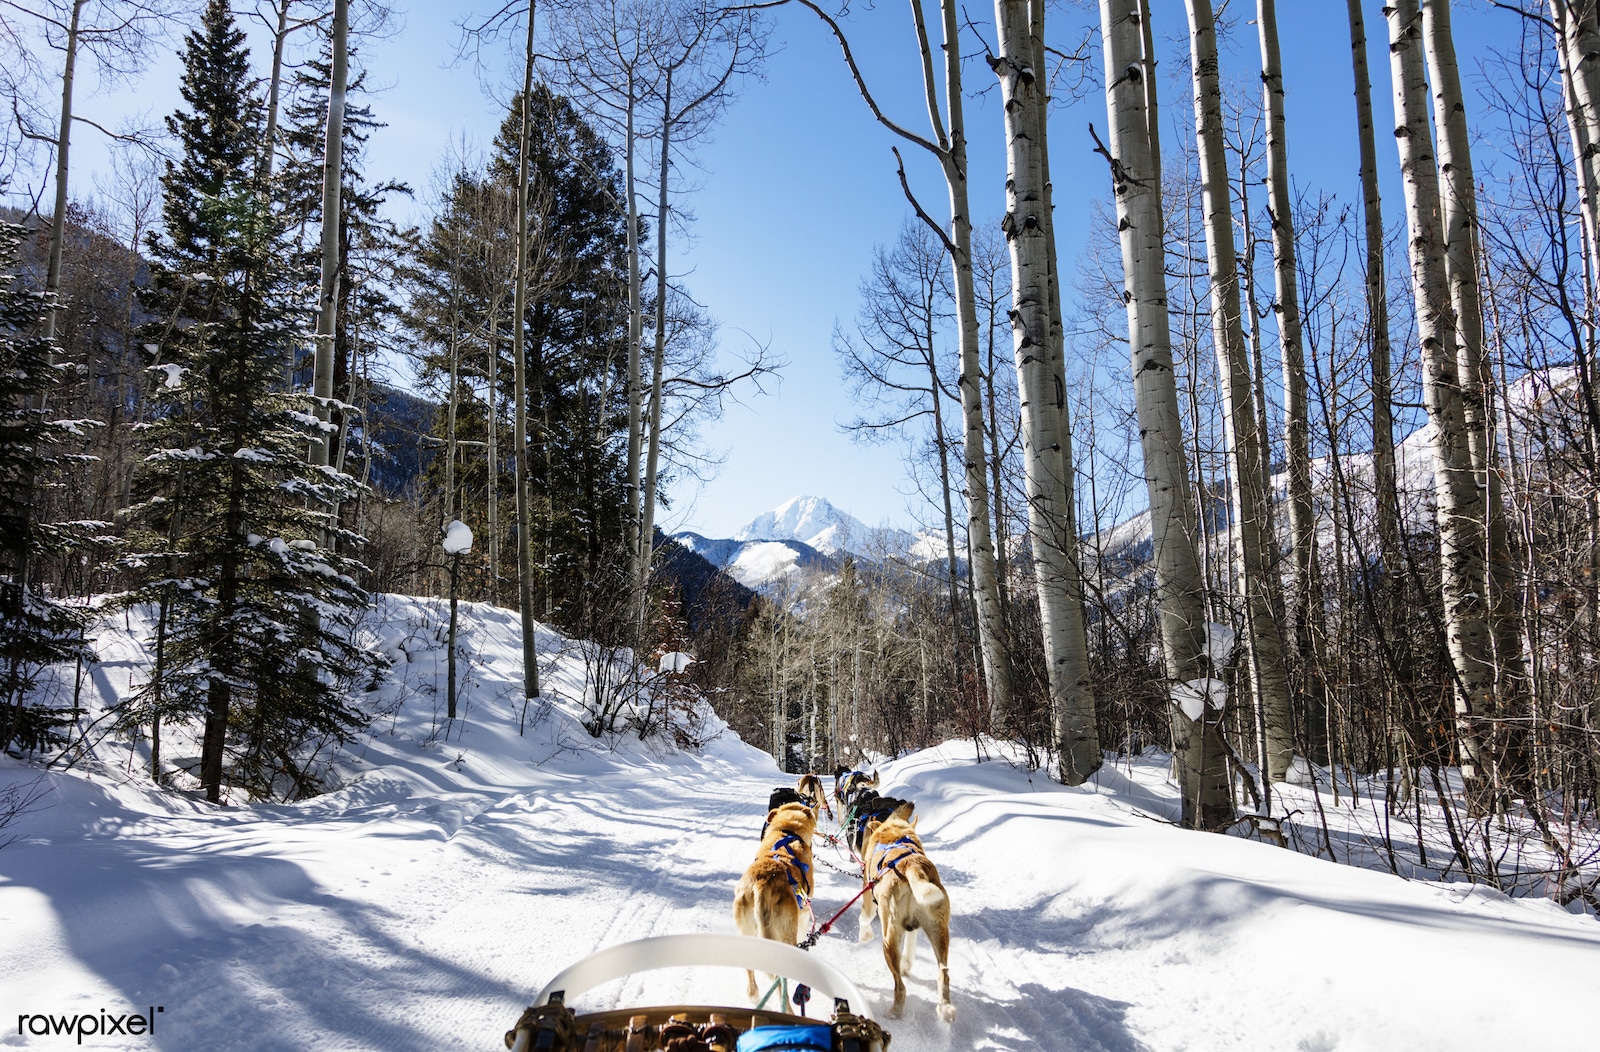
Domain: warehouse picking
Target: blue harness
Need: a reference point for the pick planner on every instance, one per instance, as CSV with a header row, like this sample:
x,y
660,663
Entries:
x,y
906,848
784,851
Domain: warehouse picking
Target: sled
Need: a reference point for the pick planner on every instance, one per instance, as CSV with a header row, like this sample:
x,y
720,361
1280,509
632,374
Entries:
x,y
550,1025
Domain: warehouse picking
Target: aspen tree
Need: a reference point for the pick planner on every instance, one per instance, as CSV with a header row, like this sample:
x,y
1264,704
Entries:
x,y
700,52
332,180
1253,544
1459,501
280,40
519,358
1077,709
1308,620
1383,470
1460,203
1197,744
1029,231
647,492
1577,31
948,145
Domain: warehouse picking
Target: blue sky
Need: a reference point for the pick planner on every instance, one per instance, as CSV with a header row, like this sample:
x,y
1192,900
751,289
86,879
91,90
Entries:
x,y
799,184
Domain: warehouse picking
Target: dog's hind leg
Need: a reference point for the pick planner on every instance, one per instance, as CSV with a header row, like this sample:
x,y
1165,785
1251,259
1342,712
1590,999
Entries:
x,y
866,915
908,951
891,957
939,937
747,926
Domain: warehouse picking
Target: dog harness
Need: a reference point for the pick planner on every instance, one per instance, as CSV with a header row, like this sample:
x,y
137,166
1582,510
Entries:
x,y
905,846
784,851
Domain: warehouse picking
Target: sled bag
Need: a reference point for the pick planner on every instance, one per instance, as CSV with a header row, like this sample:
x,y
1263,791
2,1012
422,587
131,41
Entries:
x,y
787,1039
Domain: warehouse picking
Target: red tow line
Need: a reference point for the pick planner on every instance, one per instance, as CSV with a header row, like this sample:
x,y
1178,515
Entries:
x,y
817,933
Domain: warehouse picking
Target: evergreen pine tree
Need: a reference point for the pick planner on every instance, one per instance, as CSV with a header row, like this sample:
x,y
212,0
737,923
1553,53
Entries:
x,y
574,335
36,629
256,609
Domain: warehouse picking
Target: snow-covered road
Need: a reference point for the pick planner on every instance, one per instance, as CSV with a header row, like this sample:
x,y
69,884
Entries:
x,y
422,905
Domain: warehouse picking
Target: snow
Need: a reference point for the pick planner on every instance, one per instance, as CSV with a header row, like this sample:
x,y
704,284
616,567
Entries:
x,y
816,522
1197,695
459,866
676,661
762,561
1220,639
457,538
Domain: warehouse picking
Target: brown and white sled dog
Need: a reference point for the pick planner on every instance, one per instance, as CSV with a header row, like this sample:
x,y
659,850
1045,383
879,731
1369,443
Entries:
x,y
810,787
776,889
909,898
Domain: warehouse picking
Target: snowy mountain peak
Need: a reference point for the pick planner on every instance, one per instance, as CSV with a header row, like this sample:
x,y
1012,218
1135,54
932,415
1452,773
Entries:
x,y
808,520
812,521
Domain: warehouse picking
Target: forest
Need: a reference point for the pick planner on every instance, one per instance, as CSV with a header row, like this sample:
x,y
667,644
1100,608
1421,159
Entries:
x,y
1293,485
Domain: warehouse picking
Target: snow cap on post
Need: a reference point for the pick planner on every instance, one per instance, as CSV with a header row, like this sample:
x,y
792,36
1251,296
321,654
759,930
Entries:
x,y
676,661
457,538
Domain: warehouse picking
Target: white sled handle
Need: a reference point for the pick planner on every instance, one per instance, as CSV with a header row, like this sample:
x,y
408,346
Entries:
x,y
688,951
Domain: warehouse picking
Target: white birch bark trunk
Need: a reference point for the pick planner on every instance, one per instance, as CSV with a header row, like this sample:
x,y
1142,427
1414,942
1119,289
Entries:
x,y
519,358
1459,500
332,179
1577,27
631,483
942,448
1130,91
1460,200
951,150
1574,32
492,415
1073,719
983,570
647,497
1308,625
1254,548
1028,230
58,220
1387,494
274,84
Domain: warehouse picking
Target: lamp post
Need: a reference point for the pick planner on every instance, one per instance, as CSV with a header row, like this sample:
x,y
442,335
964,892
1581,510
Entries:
x,y
457,542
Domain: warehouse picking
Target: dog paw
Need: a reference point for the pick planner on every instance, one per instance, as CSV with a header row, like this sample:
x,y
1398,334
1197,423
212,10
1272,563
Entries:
x,y
894,1012
947,1012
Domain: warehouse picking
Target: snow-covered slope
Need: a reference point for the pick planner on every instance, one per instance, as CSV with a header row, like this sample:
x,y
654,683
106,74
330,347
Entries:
x,y
807,533
419,906
756,564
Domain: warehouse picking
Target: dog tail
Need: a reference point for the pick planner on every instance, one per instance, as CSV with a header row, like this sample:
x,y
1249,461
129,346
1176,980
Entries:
x,y
927,893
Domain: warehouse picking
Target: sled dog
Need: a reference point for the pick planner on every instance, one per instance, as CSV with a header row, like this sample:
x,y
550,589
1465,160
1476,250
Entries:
x,y
776,889
907,897
847,784
866,810
810,788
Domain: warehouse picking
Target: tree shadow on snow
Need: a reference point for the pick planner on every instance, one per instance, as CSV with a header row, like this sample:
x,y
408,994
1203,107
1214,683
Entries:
x,y
168,932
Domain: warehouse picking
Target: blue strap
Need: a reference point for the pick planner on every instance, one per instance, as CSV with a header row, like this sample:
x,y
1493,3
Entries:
x,y
784,846
911,847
